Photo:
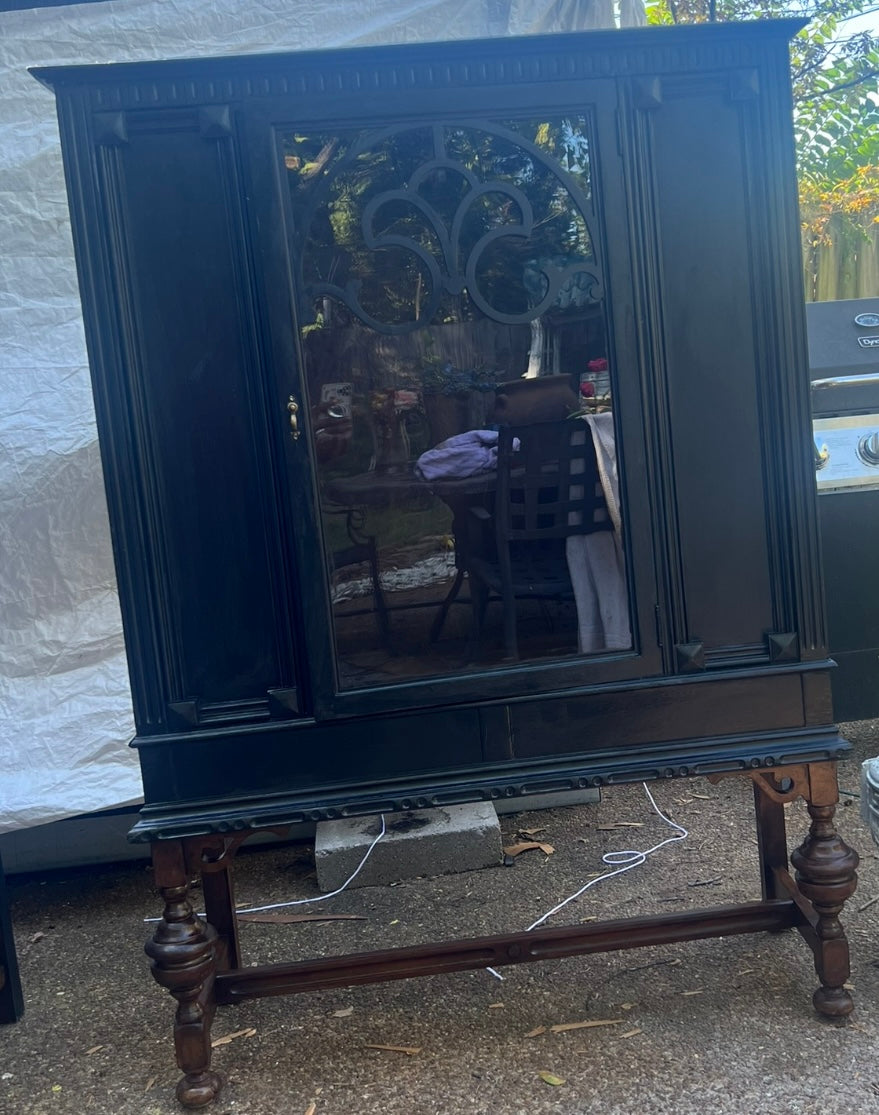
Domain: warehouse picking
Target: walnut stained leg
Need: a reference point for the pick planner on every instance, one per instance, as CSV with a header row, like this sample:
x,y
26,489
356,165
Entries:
x,y
200,963
826,875
771,841
183,956
219,902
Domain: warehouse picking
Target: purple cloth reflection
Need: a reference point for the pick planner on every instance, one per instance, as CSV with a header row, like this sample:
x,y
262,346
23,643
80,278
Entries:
x,y
460,456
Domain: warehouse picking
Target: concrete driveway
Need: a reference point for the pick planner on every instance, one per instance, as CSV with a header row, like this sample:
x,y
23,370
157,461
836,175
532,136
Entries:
x,y
716,1026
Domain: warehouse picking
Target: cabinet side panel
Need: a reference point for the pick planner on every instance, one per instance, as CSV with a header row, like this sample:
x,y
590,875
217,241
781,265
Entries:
x,y
709,306
195,387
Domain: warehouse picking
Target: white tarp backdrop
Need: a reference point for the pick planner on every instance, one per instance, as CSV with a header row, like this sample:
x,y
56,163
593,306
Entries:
x,y
65,715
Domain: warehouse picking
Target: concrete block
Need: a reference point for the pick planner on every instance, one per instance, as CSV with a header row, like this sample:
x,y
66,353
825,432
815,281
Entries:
x,y
421,842
560,800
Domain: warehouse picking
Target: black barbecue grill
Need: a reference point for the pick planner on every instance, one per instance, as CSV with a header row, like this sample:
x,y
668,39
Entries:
x,y
844,368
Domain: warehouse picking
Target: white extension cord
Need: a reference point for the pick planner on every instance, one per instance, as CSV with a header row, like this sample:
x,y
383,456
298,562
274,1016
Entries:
x,y
627,859
320,897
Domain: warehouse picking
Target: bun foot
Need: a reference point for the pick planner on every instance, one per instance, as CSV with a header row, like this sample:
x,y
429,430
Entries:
x,y
198,1089
833,1002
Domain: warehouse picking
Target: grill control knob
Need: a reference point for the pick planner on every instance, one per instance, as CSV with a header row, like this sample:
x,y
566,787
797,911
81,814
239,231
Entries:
x,y
868,449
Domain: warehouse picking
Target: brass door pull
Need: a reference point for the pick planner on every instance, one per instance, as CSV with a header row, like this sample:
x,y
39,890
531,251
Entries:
x,y
293,408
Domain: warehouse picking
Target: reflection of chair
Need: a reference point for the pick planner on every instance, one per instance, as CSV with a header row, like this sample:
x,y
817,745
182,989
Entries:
x,y
547,489
362,551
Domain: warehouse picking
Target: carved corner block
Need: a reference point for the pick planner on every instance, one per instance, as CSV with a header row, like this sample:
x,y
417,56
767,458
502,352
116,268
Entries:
x,y
744,85
647,92
690,657
183,714
214,121
783,646
284,702
110,129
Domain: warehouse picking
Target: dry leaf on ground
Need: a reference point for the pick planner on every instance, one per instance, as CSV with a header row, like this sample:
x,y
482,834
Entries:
x,y
227,1038
292,919
528,846
565,1026
409,1050
550,1078
536,1032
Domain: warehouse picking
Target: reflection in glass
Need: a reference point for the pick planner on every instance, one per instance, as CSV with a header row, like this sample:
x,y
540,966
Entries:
x,y
455,355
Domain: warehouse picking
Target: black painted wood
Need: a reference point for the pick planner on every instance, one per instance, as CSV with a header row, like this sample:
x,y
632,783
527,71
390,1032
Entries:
x,y
11,996
187,247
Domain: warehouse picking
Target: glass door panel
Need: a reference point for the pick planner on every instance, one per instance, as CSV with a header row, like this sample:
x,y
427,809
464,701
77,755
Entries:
x,y
454,347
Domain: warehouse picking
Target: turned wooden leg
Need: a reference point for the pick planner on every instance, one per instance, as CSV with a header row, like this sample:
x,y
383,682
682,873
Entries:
x,y
183,956
826,875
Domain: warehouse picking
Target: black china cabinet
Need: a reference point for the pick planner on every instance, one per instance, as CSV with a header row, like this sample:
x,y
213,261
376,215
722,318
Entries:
x,y
455,424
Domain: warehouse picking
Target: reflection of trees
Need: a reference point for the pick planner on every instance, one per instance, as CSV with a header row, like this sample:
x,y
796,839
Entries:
x,y
446,223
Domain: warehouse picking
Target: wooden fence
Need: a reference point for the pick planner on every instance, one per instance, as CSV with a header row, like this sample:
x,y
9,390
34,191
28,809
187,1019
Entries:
x,y
841,263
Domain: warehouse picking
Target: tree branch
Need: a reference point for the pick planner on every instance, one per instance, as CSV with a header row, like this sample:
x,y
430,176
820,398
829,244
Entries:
x,y
816,62
850,84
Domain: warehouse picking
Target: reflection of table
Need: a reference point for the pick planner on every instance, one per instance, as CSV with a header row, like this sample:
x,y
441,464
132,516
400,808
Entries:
x,y
380,489
384,489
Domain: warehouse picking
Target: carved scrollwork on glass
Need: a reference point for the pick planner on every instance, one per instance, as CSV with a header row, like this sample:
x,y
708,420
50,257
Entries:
x,y
449,279
410,225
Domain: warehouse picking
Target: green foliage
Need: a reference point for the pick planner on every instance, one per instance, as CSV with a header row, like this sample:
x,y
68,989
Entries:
x,y
835,88
835,77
